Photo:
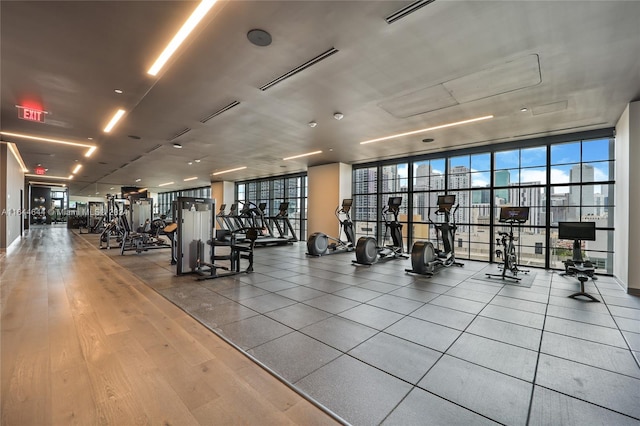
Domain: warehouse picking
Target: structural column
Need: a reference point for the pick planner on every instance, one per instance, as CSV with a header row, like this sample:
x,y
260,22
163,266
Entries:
x,y
328,185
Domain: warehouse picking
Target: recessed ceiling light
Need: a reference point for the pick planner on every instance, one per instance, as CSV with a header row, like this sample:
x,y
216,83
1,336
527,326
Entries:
x,y
177,145
303,155
523,109
181,35
191,178
138,180
338,116
116,117
197,161
77,168
47,176
90,139
58,141
166,183
118,91
190,163
428,129
312,124
112,188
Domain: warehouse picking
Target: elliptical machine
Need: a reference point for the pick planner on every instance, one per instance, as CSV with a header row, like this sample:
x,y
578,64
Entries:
x,y
367,250
427,259
318,243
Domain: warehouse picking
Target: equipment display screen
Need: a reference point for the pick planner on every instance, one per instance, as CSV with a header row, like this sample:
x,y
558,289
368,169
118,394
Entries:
x,y
395,201
584,231
514,214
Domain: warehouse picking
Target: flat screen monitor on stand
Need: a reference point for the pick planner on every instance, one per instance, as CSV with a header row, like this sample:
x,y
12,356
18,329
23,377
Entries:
x,y
577,266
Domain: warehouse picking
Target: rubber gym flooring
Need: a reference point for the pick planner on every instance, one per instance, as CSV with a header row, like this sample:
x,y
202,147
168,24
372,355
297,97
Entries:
x,y
375,345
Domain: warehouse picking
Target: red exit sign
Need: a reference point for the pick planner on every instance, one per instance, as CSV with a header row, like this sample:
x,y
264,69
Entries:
x,y
31,114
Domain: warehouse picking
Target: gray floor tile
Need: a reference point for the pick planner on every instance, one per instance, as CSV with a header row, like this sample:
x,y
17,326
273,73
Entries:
x,y
428,286
327,286
619,311
606,357
529,294
463,305
395,304
275,285
298,315
343,383
371,316
267,302
594,333
423,408
403,359
378,286
482,286
219,315
553,408
624,300
300,293
358,294
244,292
254,331
633,339
332,303
580,315
519,304
192,296
281,273
528,319
424,333
339,333
465,293
294,355
500,397
502,357
514,334
444,316
582,304
627,324
600,387
414,294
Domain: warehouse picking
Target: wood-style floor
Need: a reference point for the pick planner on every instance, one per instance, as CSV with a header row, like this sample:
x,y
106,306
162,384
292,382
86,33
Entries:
x,y
84,342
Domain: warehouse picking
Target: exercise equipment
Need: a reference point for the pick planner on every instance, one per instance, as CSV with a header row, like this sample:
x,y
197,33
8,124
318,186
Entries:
x,y
510,215
427,259
318,243
577,266
145,238
196,244
367,250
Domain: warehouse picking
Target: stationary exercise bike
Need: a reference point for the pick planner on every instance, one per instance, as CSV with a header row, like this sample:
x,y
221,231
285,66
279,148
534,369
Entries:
x,y
577,266
510,215
367,250
318,243
427,259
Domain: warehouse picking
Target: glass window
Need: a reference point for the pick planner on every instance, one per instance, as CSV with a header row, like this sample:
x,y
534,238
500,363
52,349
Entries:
x,y
507,159
565,153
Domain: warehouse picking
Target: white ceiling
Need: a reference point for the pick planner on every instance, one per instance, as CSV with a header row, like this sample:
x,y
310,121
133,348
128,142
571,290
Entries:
x,y
574,65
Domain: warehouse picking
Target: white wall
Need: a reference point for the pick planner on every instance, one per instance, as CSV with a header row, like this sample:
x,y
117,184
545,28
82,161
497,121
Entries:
x,y
328,185
11,183
627,203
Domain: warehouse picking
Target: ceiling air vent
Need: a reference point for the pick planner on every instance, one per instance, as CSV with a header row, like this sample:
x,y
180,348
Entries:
x,y
136,159
407,10
180,133
299,68
154,148
220,111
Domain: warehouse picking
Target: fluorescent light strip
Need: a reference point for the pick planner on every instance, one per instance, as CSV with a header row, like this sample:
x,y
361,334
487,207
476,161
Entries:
x,y
230,170
64,185
166,183
70,177
47,176
428,129
16,154
38,138
303,155
191,178
116,117
91,151
181,35
77,169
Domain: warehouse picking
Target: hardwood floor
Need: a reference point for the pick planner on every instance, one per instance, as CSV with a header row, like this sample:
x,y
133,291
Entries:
x,y
84,342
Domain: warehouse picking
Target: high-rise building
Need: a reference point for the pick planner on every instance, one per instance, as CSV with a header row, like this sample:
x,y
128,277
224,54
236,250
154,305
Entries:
x,y
502,178
581,195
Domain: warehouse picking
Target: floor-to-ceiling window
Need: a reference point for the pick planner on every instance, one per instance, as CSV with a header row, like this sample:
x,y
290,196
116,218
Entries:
x,y
275,191
561,179
165,199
